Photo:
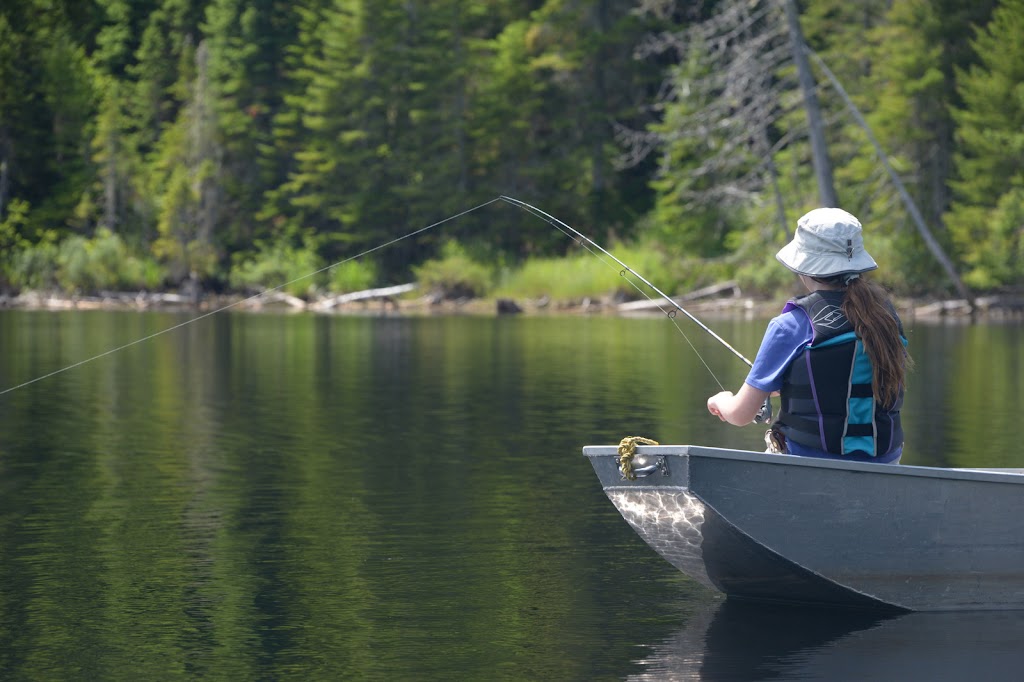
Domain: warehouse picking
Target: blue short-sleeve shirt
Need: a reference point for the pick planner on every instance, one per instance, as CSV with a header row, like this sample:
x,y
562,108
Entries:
x,y
787,335
785,338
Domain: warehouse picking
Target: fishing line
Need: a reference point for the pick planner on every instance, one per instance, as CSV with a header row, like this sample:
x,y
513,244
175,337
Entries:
x,y
764,415
566,229
587,242
670,314
246,300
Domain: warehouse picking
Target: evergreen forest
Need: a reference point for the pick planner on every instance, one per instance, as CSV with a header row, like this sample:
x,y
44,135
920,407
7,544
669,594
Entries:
x,y
236,145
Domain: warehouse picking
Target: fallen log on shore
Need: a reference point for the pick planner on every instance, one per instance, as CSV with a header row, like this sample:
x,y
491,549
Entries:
x,y
365,295
714,290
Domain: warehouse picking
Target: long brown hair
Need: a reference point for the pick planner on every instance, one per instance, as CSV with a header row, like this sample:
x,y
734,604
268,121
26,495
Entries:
x,y
867,307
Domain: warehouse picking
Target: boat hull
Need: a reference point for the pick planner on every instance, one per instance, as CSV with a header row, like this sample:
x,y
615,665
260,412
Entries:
x,y
775,527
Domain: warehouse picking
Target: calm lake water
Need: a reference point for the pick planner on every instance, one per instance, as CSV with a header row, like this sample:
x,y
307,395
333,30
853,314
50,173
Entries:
x,y
272,497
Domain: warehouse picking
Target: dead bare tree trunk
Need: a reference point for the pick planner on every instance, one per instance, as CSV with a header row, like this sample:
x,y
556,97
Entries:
x,y
3,186
929,240
6,152
819,149
780,204
204,152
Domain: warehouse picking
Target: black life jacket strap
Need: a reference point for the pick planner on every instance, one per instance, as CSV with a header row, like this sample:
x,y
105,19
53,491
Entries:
x,y
804,392
810,426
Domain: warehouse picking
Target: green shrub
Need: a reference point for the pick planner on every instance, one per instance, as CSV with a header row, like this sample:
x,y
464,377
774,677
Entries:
x,y
570,278
278,265
656,266
352,275
78,264
455,274
594,274
103,263
33,267
24,264
74,271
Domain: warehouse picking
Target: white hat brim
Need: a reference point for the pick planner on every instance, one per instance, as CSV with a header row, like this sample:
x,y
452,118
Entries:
x,y
824,265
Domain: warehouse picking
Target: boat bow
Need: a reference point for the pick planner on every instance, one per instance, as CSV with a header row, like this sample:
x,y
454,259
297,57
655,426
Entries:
x,y
777,527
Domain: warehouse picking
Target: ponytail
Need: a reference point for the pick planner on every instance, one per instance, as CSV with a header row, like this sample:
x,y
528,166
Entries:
x,y
873,317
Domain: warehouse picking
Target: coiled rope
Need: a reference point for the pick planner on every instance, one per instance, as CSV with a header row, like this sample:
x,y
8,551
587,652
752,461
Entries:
x,y
627,450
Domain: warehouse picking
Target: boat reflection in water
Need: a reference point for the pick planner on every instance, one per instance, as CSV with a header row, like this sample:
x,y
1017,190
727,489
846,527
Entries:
x,y
741,640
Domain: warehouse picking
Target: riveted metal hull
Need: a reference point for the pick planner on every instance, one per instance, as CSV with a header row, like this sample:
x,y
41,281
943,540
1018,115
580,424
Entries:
x,y
793,529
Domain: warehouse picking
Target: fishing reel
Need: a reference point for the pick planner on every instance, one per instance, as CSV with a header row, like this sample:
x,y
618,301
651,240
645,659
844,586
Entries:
x,y
764,415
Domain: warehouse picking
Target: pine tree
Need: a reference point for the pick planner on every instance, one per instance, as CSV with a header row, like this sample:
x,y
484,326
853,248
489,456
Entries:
x,y
898,66
13,124
186,182
139,52
112,157
314,127
248,43
46,105
286,125
164,50
376,127
986,217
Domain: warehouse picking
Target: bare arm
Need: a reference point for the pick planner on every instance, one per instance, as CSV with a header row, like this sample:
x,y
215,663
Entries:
x,y
740,408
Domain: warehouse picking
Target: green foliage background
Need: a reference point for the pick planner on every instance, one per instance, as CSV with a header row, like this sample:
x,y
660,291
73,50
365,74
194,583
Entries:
x,y
148,142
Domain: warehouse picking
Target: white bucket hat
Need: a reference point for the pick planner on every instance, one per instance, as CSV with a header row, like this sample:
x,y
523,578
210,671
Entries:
x,y
828,242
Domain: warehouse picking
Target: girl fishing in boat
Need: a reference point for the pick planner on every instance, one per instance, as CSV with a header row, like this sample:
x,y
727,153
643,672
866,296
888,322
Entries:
x,y
836,356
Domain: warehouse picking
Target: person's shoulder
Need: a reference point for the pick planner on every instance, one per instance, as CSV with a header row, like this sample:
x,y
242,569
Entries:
x,y
790,327
791,318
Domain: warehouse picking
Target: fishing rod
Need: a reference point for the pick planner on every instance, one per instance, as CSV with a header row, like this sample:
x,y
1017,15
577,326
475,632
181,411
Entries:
x,y
765,413
536,211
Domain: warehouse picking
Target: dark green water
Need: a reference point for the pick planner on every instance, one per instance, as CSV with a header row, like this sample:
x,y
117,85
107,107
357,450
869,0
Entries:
x,y
297,497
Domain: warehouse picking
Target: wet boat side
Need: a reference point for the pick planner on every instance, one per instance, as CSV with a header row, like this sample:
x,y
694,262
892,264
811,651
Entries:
x,y
794,529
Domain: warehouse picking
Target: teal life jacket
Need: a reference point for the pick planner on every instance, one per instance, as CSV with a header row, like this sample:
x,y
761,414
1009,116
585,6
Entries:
x,y
826,399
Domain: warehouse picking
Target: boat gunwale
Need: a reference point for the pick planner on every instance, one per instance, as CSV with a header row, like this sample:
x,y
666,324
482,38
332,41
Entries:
x,y
1013,476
